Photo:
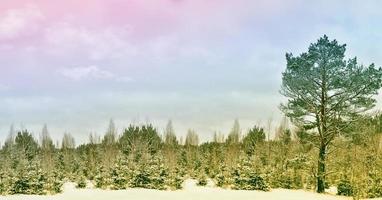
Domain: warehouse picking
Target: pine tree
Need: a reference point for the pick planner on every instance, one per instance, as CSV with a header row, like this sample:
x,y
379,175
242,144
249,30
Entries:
x,y
326,93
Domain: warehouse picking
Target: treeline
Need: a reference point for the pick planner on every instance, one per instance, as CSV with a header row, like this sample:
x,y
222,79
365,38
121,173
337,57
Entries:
x,y
141,157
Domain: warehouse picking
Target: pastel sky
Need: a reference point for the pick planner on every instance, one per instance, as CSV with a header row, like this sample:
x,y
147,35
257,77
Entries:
x,y
202,63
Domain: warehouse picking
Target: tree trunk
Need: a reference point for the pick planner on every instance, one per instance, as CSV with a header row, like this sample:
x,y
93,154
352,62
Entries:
x,y
321,169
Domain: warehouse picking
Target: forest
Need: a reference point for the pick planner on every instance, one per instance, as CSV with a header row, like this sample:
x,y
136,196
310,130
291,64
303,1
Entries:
x,y
140,157
327,139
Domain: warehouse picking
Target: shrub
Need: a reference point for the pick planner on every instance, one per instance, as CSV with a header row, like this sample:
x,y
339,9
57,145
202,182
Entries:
x,y
220,180
288,179
202,181
176,183
20,186
81,182
344,187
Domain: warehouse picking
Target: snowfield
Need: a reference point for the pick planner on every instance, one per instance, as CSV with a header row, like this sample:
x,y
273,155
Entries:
x,y
190,192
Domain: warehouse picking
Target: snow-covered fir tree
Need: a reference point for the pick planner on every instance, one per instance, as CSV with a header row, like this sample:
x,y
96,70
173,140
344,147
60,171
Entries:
x,y
120,174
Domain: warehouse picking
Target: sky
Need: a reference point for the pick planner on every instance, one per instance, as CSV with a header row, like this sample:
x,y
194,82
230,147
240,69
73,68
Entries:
x,y
74,65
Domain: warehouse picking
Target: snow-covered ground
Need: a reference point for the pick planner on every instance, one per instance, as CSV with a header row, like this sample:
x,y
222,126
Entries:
x,y
190,191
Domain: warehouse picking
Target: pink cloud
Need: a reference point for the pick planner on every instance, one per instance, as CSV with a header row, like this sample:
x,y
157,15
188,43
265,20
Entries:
x,y
135,30
150,18
19,22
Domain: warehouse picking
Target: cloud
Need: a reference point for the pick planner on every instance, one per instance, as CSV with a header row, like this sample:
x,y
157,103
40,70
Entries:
x,y
4,87
86,73
95,44
92,72
16,22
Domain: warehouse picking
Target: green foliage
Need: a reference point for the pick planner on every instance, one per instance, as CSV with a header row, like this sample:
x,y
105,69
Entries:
x,y
138,140
81,182
5,182
255,136
223,177
55,182
245,177
140,179
291,177
326,92
102,178
374,184
202,180
344,187
287,179
120,174
30,180
175,180
251,164
26,144
21,186
151,175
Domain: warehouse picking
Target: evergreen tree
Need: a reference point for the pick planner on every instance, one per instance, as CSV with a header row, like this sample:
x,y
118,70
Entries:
x,y
120,174
246,178
254,137
325,92
26,145
140,141
102,178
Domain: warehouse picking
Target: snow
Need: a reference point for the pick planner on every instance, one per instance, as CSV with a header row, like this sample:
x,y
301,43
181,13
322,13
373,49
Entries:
x,y
190,192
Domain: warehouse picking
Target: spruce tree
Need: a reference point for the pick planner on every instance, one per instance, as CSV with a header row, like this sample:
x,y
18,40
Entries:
x,y
120,174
